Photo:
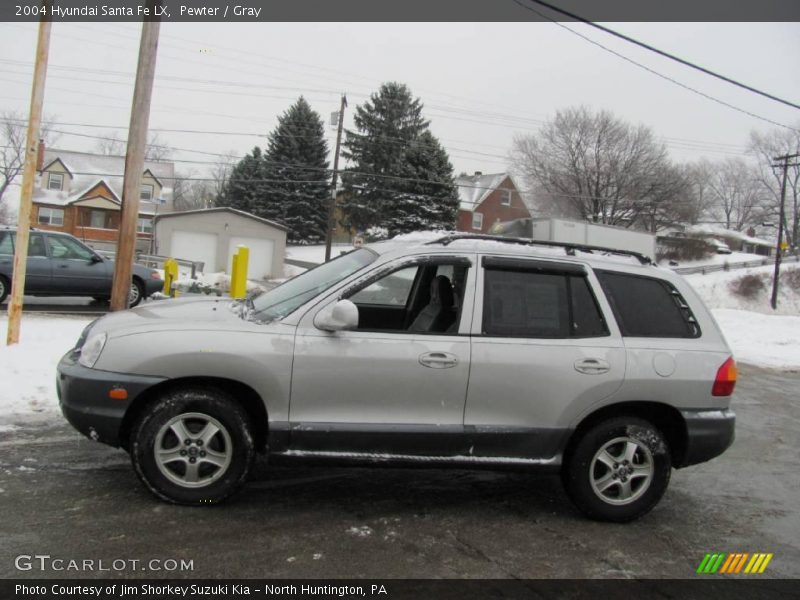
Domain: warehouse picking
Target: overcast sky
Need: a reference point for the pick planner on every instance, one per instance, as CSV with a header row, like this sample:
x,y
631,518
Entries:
x,y
480,83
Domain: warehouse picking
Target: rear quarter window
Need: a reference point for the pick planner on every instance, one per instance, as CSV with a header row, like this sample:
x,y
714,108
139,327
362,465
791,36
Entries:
x,y
6,245
648,306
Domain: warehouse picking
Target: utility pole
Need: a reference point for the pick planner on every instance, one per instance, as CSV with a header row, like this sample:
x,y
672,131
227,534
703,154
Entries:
x,y
134,162
785,158
28,177
332,205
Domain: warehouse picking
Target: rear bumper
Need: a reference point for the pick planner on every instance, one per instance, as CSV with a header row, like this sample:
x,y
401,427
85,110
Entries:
x,y
151,286
84,400
708,434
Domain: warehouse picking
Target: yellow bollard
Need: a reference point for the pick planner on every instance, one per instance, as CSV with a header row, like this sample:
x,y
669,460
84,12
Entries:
x,y
239,272
170,276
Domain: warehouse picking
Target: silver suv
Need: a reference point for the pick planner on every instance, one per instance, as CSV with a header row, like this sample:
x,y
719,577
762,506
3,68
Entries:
x,y
457,351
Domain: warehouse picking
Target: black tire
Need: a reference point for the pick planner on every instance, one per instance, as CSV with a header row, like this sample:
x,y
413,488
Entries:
x,y
137,292
632,488
5,288
169,477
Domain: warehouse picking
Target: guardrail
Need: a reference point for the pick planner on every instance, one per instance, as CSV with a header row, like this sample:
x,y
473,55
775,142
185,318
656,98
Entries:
x,y
156,261
731,266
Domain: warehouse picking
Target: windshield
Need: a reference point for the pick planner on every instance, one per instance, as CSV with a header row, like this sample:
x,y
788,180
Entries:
x,y
287,297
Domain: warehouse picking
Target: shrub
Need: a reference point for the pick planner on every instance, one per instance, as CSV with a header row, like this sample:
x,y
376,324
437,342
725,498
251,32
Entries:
x,y
749,286
791,279
686,249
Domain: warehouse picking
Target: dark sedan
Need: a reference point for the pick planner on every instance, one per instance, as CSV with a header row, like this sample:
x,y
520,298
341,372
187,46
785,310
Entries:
x,y
61,265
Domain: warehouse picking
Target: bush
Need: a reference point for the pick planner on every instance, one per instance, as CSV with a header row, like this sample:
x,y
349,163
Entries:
x,y
686,249
791,279
749,286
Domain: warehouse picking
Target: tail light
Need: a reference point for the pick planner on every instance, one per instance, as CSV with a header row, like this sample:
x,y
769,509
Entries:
x,y
726,379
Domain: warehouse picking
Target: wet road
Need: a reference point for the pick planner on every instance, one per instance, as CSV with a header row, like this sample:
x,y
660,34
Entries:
x,y
70,498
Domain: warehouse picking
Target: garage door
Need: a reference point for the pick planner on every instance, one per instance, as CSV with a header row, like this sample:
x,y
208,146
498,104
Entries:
x,y
191,245
259,265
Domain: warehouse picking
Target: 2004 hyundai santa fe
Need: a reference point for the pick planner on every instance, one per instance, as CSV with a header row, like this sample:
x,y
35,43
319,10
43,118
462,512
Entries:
x,y
459,351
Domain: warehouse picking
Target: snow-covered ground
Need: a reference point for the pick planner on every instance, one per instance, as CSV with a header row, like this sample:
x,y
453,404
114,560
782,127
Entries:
x,y
316,253
28,372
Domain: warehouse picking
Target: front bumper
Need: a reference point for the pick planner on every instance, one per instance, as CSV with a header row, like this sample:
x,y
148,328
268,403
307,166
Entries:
x,y
708,434
83,394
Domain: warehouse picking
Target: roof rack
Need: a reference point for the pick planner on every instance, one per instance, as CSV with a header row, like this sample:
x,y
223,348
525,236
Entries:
x,y
569,247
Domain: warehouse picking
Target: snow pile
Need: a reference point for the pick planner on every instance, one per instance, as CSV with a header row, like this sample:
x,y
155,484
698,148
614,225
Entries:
x,y
27,387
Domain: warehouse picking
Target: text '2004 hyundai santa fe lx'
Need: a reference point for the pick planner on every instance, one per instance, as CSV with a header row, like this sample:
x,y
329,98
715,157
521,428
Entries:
x,y
459,350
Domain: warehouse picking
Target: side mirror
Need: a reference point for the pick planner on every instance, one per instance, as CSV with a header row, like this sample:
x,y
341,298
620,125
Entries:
x,y
96,258
338,316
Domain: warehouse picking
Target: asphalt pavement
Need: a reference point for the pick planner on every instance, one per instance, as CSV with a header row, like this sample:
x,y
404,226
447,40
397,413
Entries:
x,y
64,496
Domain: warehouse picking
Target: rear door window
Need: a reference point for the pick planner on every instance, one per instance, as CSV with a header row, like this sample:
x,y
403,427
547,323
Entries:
x,y
536,304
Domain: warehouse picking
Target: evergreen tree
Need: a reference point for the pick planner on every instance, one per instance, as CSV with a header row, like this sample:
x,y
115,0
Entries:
x,y
386,124
427,198
245,189
297,155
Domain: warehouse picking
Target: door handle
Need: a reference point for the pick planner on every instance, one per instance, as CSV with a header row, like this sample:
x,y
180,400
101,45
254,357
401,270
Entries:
x,y
438,360
592,366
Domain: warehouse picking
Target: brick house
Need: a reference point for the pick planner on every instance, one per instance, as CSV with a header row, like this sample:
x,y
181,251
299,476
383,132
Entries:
x,y
487,199
81,194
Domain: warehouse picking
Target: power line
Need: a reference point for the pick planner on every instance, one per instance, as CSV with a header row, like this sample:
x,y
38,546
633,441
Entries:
x,y
653,71
665,54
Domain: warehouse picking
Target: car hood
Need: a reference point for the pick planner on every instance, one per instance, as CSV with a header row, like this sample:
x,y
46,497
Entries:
x,y
177,314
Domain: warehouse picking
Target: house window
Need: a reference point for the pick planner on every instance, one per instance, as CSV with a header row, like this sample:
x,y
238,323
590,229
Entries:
x,y
55,181
477,220
51,216
145,226
147,192
505,197
99,219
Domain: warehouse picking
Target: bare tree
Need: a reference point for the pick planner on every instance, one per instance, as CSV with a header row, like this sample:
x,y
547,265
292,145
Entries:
x,y
192,192
737,194
113,144
597,167
765,147
13,131
220,172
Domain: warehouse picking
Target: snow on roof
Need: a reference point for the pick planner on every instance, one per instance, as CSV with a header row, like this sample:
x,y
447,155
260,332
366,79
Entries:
x,y
473,189
705,228
219,209
88,170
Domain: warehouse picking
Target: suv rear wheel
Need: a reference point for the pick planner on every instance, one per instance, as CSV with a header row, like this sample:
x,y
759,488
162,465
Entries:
x,y
5,288
618,470
193,446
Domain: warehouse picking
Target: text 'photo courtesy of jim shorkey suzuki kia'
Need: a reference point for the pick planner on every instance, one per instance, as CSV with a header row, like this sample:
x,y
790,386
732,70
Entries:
x,y
456,350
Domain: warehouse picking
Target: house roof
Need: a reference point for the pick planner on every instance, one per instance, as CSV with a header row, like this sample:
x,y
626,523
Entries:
x,y
708,229
63,164
223,209
87,170
474,189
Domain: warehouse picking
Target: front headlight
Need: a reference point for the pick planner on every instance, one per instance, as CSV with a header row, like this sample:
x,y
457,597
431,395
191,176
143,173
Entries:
x,y
91,350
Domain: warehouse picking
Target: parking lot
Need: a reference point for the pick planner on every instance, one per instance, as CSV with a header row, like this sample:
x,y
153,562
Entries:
x,y
64,496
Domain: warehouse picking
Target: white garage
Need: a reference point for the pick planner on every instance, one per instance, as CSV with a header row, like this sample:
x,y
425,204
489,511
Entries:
x,y
212,236
201,247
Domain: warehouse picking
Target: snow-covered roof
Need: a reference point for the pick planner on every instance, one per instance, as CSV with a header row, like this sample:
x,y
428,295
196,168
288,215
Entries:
x,y
708,229
219,209
87,170
473,189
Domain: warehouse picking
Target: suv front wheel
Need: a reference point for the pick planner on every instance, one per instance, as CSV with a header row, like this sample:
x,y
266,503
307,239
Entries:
x,y
193,446
618,470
